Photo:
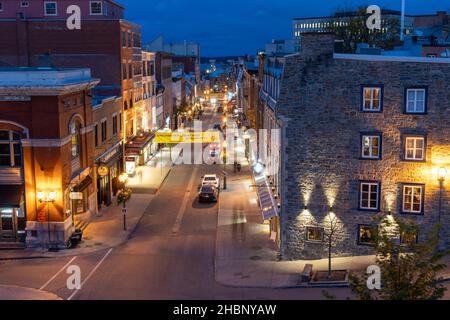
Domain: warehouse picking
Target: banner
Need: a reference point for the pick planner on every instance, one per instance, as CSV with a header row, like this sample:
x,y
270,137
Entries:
x,y
187,137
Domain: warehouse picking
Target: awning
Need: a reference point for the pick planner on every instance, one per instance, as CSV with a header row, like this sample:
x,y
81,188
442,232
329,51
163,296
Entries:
x,y
266,200
138,143
11,196
83,184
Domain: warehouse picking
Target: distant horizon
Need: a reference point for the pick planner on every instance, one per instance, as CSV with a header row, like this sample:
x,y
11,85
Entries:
x,y
223,31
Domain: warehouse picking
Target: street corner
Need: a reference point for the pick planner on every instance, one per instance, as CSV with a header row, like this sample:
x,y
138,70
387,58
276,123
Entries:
x,y
22,293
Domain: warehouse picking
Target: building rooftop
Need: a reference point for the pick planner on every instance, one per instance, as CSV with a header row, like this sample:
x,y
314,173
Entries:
x,y
44,81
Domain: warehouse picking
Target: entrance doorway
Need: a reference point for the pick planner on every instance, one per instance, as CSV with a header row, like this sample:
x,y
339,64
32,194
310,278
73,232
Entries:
x,y
8,225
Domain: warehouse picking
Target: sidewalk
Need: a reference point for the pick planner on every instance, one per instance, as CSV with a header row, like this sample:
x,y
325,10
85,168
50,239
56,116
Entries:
x,y
149,178
245,255
20,293
105,230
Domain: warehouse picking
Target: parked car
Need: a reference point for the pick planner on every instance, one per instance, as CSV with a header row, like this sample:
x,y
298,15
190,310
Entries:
x,y
211,179
208,193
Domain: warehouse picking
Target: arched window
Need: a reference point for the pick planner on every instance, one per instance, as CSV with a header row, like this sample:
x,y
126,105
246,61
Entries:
x,y
75,139
10,149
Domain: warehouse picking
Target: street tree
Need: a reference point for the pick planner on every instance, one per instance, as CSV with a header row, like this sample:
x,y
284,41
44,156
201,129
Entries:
x,y
349,26
409,269
332,232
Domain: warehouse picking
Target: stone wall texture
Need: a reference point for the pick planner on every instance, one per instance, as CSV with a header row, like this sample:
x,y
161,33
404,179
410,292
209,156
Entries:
x,y
321,100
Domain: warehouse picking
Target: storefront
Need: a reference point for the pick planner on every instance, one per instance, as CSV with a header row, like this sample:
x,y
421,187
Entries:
x,y
12,213
80,187
109,167
139,151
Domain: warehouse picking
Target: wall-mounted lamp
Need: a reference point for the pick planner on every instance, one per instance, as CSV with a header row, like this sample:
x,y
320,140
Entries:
x,y
46,196
442,174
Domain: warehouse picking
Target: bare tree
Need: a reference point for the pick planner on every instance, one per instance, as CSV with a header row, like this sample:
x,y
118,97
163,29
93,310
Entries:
x,y
333,229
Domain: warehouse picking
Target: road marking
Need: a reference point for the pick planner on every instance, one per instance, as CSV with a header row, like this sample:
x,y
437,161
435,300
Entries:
x,y
57,274
90,274
176,226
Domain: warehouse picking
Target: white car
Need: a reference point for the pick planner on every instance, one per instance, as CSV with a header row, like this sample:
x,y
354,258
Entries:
x,y
211,179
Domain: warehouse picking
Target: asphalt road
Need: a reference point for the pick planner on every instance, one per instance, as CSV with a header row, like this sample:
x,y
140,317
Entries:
x,y
169,256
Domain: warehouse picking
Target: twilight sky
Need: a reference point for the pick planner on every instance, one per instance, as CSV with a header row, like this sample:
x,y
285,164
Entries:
x,y
236,27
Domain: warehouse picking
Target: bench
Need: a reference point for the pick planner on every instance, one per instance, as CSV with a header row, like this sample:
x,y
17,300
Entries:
x,y
307,272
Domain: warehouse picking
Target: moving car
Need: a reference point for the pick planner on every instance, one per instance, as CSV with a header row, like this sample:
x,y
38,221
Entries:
x,y
211,179
208,193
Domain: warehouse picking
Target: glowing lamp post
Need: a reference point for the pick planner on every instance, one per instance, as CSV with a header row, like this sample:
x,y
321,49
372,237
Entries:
x,y
123,195
442,174
47,198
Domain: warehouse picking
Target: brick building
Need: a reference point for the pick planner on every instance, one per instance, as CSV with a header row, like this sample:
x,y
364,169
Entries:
x,y
361,137
108,143
46,171
36,34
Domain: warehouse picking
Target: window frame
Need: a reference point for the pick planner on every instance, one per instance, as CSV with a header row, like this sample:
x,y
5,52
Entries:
x,y
104,128
425,102
379,135
371,86
24,4
360,193
90,8
77,133
422,199
314,227
405,147
45,8
401,238
114,125
368,244
11,142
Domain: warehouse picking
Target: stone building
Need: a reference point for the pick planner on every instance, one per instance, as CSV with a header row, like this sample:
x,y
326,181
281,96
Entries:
x,y
362,137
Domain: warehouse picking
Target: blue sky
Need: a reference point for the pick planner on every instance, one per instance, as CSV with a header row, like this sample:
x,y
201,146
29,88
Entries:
x,y
236,27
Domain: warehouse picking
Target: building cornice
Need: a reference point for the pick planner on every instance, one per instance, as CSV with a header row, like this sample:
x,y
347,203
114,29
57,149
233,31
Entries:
x,y
46,90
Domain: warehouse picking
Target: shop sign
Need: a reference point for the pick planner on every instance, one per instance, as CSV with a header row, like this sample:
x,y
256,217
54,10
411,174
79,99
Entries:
x,y
76,196
102,170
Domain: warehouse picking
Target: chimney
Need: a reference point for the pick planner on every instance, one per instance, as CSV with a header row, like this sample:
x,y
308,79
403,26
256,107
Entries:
x,y
314,44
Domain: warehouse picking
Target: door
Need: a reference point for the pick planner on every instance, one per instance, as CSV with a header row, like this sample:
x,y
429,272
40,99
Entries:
x,y
7,225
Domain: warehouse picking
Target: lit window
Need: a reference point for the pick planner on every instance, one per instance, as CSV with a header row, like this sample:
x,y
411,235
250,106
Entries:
x,y
409,237
314,234
414,148
50,8
366,234
104,131
372,99
412,199
24,4
75,139
371,147
415,100
369,195
96,7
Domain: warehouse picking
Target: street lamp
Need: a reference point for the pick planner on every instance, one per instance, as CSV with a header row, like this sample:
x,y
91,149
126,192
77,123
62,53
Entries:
x,y
442,174
47,198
